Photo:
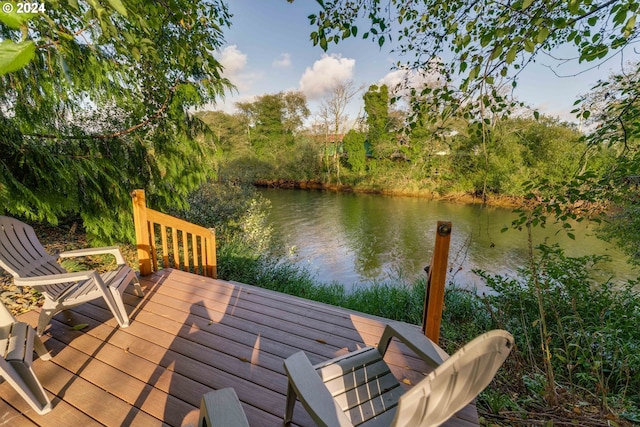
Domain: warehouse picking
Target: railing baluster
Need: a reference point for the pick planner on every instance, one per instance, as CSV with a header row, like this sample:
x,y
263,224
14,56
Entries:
x,y
165,248
176,253
154,249
194,251
145,221
185,250
203,255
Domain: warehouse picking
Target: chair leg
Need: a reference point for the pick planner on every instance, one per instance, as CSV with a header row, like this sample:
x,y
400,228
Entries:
x,y
118,309
45,317
137,289
40,349
291,401
25,382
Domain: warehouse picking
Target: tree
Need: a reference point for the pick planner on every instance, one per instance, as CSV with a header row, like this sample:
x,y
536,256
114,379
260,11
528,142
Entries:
x,y
376,106
332,114
356,154
615,105
95,100
273,120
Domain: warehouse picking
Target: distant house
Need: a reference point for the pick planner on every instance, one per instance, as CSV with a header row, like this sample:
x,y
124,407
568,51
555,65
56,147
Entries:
x,y
330,138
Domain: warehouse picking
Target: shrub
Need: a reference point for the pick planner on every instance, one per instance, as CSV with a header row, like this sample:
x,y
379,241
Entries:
x,y
592,327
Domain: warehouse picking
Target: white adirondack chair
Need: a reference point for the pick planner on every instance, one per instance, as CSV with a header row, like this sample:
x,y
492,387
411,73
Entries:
x,y
221,408
18,340
22,255
359,389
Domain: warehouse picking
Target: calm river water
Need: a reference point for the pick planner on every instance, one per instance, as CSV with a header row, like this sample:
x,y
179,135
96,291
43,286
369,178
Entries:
x,y
360,238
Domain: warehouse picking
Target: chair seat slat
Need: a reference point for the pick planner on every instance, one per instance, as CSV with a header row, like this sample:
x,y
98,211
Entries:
x,y
357,377
374,406
336,367
386,385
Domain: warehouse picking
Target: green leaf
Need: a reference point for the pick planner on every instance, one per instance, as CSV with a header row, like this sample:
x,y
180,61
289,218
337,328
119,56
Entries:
x,y
14,56
11,18
526,4
536,115
542,34
511,55
80,326
628,28
529,46
117,5
586,114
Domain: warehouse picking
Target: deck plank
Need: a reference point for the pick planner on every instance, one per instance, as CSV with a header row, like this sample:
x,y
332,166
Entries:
x,y
190,335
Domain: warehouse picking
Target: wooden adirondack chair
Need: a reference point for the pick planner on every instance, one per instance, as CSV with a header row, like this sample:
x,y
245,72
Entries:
x,y
359,388
18,340
22,255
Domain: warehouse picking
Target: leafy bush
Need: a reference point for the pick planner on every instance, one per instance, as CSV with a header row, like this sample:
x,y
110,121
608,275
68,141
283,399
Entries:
x,y
592,327
237,211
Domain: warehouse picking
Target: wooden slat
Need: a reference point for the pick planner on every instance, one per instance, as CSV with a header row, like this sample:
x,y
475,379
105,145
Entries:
x,y
203,255
165,246
154,249
189,335
194,251
185,251
176,253
171,221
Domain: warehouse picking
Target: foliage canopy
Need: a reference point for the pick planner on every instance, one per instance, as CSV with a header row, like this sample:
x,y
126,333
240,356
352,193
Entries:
x,y
95,100
487,39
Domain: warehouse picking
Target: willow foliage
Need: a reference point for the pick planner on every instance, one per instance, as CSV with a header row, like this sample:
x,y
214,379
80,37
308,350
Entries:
x,y
101,106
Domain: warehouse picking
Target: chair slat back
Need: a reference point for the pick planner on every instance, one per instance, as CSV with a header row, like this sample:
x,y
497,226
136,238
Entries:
x,y
455,383
22,254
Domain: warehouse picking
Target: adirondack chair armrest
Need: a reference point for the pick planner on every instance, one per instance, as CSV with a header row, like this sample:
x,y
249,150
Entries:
x,y
107,250
413,338
222,408
53,279
312,392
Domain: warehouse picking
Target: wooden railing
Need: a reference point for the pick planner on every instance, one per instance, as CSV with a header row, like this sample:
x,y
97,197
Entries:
x,y
173,242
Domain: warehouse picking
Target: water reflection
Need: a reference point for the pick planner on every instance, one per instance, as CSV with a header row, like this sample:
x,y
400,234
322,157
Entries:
x,y
359,238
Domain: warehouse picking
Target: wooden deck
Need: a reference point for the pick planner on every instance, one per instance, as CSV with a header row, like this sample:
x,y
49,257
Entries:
x,y
190,335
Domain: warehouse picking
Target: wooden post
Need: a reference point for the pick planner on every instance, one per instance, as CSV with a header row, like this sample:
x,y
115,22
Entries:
x,y
434,297
212,267
142,231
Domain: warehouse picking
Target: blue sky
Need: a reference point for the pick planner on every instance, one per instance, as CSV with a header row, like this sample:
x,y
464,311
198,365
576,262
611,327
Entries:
x,y
268,50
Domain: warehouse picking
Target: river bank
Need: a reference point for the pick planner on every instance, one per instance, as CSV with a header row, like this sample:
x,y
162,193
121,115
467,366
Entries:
x,y
465,198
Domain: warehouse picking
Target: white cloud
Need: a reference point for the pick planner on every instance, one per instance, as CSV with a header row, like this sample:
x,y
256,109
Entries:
x,y
398,80
325,73
284,61
232,60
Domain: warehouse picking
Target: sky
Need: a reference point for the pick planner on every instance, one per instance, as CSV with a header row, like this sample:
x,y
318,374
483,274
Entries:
x,y
268,50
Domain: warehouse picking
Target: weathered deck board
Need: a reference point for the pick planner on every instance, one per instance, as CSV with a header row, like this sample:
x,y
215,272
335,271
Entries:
x,y
190,335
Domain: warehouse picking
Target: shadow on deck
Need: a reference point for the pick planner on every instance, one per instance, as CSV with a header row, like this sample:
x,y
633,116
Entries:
x,y
190,335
